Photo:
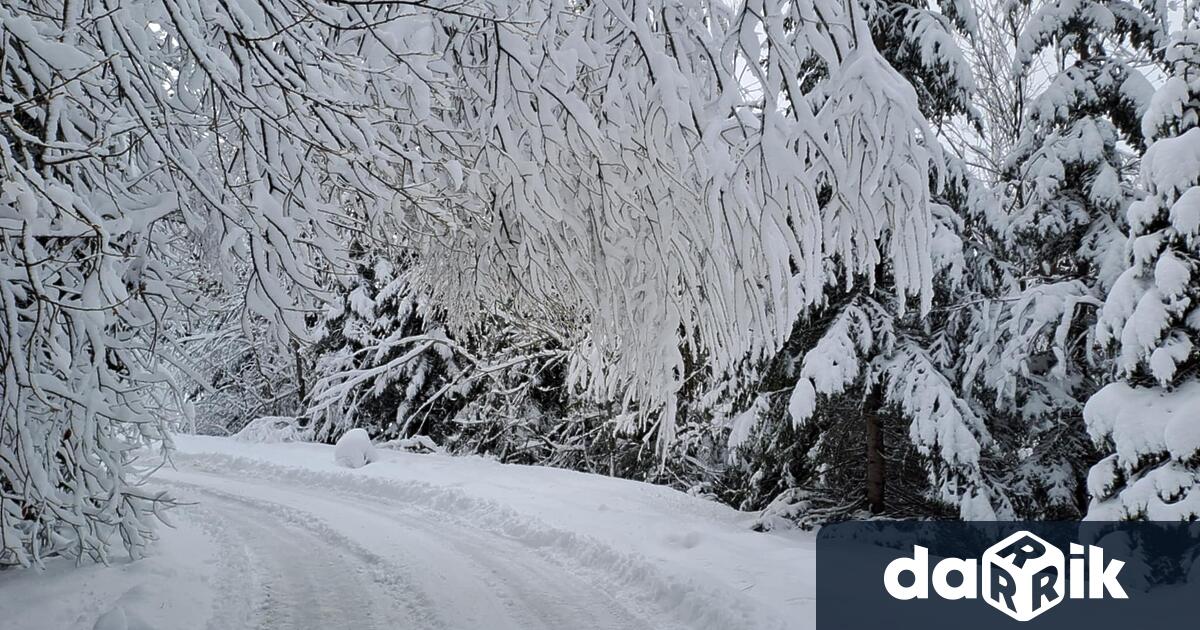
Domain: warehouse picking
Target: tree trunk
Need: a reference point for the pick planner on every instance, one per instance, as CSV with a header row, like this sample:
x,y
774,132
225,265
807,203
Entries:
x,y
876,466
301,385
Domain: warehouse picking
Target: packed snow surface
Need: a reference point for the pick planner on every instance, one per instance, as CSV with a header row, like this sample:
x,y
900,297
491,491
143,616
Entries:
x,y
279,536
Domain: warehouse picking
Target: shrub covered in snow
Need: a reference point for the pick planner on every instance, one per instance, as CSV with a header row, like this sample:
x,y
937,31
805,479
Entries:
x,y
414,444
354,449
271,429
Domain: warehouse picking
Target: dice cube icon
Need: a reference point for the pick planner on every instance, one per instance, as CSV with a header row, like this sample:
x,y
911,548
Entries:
x,y
1023,576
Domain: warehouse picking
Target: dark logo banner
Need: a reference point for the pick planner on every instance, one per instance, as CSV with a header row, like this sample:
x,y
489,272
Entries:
x,y
983,576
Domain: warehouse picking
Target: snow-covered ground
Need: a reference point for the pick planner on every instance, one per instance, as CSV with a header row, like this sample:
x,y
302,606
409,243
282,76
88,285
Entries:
x,y
279,536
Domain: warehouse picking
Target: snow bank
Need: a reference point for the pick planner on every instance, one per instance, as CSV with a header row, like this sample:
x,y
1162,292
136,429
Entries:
x,y
171,589
354,449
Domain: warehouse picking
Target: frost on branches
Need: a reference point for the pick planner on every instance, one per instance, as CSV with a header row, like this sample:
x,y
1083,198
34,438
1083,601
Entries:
x,y
1151,419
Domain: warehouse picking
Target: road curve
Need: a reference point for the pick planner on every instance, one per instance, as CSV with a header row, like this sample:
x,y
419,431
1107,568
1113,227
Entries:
x,y
296,558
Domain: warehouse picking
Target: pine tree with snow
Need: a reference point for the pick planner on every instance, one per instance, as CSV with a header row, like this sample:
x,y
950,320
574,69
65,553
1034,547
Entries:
x,y
1068,166
923,44
385,361
1150,420
1052,243
860,411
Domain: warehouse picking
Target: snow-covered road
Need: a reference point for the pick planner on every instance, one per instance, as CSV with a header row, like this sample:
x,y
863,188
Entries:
x,y
276,536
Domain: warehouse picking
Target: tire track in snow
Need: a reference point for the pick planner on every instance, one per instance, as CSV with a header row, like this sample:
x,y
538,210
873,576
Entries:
x,y
467,577
636,584
282,569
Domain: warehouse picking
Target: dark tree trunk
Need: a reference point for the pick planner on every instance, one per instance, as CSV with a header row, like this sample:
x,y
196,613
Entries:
x,y
301,385
876,466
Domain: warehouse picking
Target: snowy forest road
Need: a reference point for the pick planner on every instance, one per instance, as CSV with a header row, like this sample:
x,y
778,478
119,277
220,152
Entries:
x,y
304,559
279,537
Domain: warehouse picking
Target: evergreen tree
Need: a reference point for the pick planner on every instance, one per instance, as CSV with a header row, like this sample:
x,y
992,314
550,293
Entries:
x,y
1150,420
1069,192
1053,244
860,410
385,361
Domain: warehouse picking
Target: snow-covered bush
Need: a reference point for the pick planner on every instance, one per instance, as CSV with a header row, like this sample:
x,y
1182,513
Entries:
x,y
414,444
354,449
274,429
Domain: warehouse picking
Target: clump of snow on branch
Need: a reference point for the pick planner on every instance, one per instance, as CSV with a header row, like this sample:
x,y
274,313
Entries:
x,y
1156,436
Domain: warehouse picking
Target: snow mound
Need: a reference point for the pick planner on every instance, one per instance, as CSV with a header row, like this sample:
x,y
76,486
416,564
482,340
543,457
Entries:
x,y
274,429
354,449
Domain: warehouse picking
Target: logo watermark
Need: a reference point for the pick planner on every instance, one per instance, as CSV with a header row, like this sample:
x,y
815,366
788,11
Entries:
x,y
1022,576
953,575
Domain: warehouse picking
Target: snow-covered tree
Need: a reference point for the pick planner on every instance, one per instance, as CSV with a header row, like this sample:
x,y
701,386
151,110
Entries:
x,y
228,361
1068,165
1052,241
385,362
232,368
643,189
861,409
1150,420
136,138
923,44
1001,95
78,298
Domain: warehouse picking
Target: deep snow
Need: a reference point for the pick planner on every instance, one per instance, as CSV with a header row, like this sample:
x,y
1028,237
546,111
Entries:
x,y
279,536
